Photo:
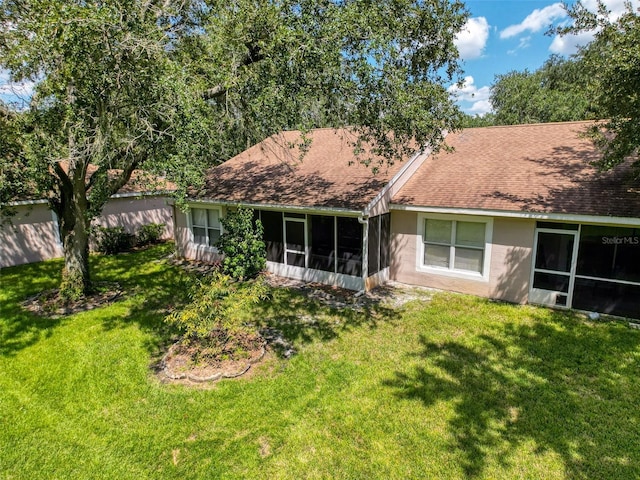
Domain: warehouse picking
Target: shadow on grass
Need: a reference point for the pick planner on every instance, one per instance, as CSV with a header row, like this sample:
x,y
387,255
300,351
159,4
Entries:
x,y
149,284
567,385
152,287
303,319
18,328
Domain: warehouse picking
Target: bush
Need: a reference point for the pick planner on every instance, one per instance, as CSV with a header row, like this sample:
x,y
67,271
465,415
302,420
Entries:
x,y
150,234
218,318
245,255
112,240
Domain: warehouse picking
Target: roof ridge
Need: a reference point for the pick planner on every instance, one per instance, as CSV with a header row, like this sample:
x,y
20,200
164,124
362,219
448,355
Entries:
x,y
532,125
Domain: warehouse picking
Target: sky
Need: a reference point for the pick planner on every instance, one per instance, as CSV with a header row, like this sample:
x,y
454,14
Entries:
x,y
506,35
500,36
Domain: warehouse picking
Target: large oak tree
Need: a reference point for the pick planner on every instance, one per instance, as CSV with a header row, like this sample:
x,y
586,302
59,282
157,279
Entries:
x,y
553,93
612,64
171,86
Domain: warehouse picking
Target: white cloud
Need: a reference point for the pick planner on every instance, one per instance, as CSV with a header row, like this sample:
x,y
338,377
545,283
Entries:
x,y
472,39
568,44
525,42
616,7
469,92
481,108
537,20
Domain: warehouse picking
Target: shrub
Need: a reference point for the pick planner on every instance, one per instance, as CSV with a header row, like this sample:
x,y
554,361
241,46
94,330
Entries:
x,y
150,233
112,240
218,318
242,245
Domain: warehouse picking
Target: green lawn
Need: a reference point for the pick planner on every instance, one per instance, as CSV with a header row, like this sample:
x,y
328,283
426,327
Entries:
x,y
457,387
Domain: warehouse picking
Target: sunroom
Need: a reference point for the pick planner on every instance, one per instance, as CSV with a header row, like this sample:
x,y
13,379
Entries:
x,y
316,246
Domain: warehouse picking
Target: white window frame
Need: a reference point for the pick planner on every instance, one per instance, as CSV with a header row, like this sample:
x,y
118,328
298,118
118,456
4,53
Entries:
x,y
450,271
190,225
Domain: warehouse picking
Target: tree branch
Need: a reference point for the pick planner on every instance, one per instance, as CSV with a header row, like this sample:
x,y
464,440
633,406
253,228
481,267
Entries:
x,y
122,179
254,55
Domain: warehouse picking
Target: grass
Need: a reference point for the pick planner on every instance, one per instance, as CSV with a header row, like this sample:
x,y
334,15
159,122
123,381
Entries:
x,y
455,387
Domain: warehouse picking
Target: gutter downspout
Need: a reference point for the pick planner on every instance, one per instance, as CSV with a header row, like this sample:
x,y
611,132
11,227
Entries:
x,y
364,221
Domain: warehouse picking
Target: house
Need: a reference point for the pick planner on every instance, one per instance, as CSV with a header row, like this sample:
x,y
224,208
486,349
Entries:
x,y
513,213
31,235
325,214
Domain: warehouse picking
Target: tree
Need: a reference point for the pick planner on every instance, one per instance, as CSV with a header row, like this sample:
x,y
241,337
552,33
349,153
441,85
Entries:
x,y
475,121
13,178
171,86
553,93
612,62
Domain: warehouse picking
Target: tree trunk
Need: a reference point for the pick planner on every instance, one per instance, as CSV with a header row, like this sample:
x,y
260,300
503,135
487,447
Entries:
x,y
73,217
76,278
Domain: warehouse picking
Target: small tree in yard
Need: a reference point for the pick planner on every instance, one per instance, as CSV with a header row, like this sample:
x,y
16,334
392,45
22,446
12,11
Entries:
x,y
242,245
217,323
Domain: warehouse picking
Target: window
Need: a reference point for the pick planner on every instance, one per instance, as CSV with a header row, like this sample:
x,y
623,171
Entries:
x,y
373,265
609,253
205,226
607,277
453,245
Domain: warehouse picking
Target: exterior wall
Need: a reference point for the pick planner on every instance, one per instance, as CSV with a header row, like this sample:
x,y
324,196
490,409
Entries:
x,y
33,234
511,259
510,263
133,212
30,237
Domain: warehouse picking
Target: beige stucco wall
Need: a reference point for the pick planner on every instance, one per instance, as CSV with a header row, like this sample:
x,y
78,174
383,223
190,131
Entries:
x,y
30,237
32,234
510,263
133,212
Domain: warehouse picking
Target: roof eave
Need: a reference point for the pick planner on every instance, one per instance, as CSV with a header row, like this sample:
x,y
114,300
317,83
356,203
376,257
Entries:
x,y
564,217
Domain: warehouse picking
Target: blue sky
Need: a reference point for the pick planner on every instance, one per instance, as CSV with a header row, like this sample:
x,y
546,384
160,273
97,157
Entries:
x,y
500,36
506,35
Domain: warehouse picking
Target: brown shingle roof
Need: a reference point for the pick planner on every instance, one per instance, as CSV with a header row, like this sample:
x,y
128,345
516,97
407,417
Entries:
x,y
141,183
524,168
272,173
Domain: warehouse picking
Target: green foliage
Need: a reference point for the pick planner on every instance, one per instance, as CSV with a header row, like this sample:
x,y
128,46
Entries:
x,y
15,179
149,234
112,240
71,287
242,245
215,320
168,86
553,93
473,121
611,64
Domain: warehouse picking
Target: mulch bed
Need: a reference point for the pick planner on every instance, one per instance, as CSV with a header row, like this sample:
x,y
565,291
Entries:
x,y
48,303
178,365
